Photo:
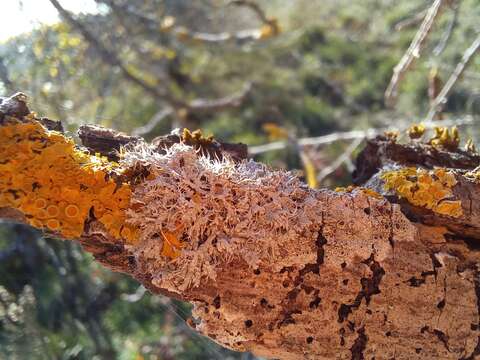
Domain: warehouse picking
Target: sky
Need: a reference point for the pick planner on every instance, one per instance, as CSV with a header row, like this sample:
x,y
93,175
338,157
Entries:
x,y
19,16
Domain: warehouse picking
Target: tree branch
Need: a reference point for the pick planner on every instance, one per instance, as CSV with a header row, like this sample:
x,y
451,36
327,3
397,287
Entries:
x,y
111,58
107,55
413,52
345,156
271,266
442,44
4,77
441,99
348,135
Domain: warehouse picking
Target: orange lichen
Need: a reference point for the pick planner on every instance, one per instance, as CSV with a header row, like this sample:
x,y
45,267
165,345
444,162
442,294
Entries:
x,y
348,189
55,185
171,245
371,193
431,189
270,29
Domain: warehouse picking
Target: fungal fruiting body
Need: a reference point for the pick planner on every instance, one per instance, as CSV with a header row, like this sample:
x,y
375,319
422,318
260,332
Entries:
x,y
56,186
431,189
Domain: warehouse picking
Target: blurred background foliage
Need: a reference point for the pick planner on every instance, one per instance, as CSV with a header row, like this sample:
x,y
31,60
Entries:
x,y
277,70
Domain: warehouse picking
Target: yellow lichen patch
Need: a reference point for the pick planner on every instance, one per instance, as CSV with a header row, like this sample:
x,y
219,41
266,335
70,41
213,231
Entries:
x,y
348,189
171,245
56,185
449,139
371,193
391,135
431,189
195,138
416,131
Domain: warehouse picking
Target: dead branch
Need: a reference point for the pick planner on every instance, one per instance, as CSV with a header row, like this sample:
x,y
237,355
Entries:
x,y
182,33
442,44
4,76
345,156
441,99
107,55
413,52
254,7
111,58
271,266
205,105
411,21
349,135
153,122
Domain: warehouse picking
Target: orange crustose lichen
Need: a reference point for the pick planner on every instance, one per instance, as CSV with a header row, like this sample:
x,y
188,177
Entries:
x,y
55,185
431,189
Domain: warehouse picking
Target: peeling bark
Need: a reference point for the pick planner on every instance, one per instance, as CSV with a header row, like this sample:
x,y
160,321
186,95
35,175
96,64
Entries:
x,y
358,276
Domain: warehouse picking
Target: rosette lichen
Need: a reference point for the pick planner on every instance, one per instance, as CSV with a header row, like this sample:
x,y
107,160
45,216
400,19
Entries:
x,y
431,189
56,185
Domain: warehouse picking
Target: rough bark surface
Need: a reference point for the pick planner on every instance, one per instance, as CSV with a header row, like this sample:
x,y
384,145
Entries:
x,y
371,277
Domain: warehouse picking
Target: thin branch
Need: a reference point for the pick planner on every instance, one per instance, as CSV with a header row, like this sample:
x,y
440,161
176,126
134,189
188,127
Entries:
x,y
471,75
5,78
442,44
108,56
340,160
154,121
198,105
413,52
234,100
182,33
441,99
320,140
411,21
240,36
254,7
347,135
136,296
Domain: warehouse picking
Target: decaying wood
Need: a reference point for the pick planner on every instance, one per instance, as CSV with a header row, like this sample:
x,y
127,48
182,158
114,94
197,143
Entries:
x,y
360,276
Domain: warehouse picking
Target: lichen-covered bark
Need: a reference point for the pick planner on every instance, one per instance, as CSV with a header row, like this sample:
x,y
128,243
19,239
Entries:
x,y
279,269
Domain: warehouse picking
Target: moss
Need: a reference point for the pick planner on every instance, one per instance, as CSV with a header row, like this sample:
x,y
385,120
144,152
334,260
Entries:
x,y
56,185
431,189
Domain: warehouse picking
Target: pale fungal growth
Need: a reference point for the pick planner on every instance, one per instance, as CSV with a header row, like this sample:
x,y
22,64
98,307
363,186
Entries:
x,y
214,211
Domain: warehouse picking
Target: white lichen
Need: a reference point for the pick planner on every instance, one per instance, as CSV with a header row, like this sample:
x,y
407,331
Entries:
x,y
219,210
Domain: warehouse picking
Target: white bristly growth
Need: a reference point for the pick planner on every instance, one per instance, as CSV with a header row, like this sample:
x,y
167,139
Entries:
x,y
220,211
